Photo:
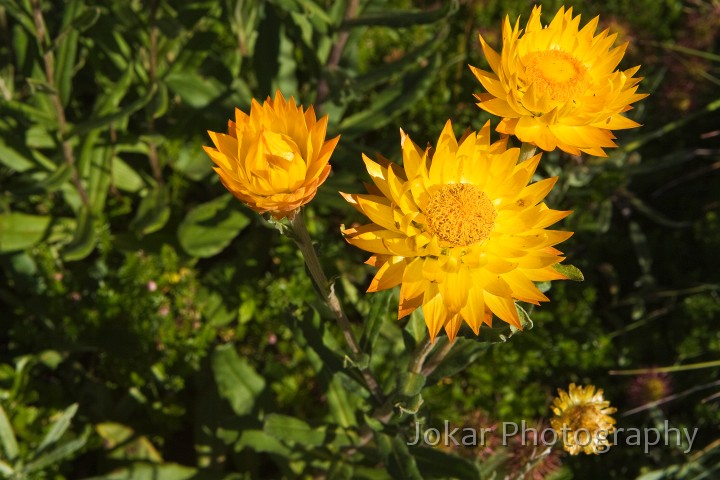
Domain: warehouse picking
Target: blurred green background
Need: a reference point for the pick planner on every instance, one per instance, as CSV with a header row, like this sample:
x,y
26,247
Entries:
x,y
136,294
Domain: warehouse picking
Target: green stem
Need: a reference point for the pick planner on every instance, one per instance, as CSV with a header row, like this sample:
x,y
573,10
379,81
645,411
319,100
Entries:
x,y
304,243
674,368
437,358
421,353
527,151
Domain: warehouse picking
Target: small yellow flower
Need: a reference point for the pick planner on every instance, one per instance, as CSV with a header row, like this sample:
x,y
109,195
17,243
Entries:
x,y
274,159
582,419
558,87
459,229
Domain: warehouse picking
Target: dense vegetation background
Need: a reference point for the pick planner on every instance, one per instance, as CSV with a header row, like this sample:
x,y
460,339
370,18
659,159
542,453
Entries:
x,y
153,327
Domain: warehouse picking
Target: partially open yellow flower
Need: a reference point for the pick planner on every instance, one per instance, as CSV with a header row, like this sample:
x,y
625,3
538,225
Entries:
x,y
558,87
582,419
460,229
275,158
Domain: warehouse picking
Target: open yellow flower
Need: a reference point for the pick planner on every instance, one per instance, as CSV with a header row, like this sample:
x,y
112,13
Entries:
x,y
582,419
460,229
274,159
558,87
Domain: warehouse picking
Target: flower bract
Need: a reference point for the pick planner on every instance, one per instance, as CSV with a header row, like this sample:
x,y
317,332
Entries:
x,y
275,158
460,228
582,419
558,86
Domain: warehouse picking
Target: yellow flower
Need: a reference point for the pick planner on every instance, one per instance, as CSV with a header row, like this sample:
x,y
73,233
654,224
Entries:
x,y
582,419
558,86
460,229
275,158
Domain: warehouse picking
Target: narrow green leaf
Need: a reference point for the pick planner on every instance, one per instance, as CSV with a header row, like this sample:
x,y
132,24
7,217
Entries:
x,y
573,273
23,16
56,179
384,73
83,242
13,159
209,228
99,178
291,429
339,403
7,437
20,230
400,463
404,18
103,121
27,111
56,455
151,471
434,463
238,382
392,102
159,103
464,352
379,308
58,429
66,52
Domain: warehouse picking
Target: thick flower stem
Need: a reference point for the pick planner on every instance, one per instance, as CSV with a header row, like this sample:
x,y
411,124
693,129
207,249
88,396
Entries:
x,y
421,353
527,151
437,358
327,291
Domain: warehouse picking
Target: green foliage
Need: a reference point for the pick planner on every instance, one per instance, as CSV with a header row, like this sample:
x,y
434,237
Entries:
x,y
152,327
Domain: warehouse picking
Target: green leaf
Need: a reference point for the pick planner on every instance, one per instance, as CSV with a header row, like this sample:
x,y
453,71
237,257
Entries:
x,y
209,228
260,441
434,463
153,212
193,89
400,463
13,159
573,273
464,352
56,455
339,403
106,120
379,308
149,471
66,51
124,177
56,179
237,381
7,437
58,429
20,230
291,429
22,15
404,18
159,103
99,178
83,242
386,72
392,101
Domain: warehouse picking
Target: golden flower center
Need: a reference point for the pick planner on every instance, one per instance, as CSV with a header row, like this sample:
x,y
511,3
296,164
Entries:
x,y
556,73
461,214
585,417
